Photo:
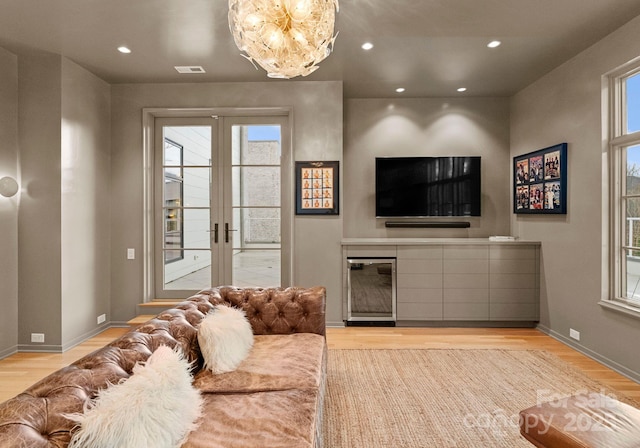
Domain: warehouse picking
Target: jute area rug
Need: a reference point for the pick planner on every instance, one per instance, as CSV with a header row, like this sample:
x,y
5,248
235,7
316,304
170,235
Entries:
x,y
440,398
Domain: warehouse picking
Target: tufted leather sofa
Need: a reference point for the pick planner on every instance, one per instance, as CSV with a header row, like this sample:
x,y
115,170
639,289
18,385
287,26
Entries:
x,y
36,417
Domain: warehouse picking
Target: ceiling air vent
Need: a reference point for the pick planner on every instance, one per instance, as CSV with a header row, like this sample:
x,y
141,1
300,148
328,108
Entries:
x,y
189,69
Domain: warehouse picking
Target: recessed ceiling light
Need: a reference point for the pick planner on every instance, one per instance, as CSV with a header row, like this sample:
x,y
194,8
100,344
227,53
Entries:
x,y
400,89
494,44
124,50
462,89
367,46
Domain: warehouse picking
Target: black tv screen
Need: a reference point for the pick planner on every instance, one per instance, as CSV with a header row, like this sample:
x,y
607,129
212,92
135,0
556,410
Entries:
x,y
427,186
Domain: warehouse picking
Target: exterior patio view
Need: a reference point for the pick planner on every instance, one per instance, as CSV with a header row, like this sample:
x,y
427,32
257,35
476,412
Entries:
x,y
192,182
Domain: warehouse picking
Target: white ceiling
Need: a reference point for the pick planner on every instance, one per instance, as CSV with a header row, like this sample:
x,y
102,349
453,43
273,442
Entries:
x,y
430,47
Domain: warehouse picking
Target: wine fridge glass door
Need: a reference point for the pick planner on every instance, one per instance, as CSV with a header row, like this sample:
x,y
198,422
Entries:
x,y
371,289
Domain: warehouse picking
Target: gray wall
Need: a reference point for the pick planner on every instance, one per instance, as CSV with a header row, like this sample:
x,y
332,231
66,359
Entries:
x,y
426,127
9,207
39,225
63,237
566,106
317,135
86,196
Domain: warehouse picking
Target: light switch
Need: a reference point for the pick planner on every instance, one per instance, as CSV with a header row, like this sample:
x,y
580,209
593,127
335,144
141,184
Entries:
x,y
131,254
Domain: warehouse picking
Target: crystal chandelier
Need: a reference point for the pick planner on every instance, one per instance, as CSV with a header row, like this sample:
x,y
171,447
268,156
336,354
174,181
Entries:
x,y
287,38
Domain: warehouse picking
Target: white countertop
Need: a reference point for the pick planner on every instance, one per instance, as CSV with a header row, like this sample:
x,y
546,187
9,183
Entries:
x,y
429,241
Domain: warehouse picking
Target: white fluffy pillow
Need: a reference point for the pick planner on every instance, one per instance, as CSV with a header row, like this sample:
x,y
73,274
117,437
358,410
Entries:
x,y
156,407
225,337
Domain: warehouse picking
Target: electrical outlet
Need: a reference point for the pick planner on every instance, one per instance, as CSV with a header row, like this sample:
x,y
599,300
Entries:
x,y
574,334
102,318
37,337
131,254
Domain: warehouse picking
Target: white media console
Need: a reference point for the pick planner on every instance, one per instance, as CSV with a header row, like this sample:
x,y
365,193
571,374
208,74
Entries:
x,y
466,280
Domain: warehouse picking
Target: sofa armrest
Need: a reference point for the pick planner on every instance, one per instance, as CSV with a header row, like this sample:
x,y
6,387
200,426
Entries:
x,y
274,310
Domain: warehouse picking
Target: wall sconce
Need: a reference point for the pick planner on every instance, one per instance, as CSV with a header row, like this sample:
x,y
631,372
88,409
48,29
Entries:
x,y
8,187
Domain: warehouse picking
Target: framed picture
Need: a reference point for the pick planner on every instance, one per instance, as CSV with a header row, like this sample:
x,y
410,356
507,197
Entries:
x,y
317,188
540,181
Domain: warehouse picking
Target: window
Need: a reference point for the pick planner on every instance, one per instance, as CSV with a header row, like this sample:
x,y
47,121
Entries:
x,y
632,100
624,147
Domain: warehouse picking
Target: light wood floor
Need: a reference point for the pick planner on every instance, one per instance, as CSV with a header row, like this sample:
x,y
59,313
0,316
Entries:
x,y
19,371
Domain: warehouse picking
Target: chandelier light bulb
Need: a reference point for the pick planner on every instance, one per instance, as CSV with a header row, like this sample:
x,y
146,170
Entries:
x,y
251,21
287,38
298,36
301,10
272,36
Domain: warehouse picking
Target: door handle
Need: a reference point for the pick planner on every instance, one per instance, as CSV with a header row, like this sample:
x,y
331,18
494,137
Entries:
x,y
215,233
226,232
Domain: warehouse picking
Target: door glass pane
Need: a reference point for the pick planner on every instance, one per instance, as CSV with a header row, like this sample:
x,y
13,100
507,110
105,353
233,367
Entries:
x,y
261,226
173,198
196,228
186,209
194,272
255,180
197,187
255,227
264,147
173,156
256,186
196,141
173,235
256,268
633,103
173,221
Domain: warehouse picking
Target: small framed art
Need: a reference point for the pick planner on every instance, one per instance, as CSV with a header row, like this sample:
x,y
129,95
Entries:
x,y
540,181
317,188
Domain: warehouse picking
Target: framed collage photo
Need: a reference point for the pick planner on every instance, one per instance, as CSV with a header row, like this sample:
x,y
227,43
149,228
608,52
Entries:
x,y
317,188
540,181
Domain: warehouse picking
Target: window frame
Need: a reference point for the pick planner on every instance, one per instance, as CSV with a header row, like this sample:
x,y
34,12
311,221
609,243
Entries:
x,y
619,139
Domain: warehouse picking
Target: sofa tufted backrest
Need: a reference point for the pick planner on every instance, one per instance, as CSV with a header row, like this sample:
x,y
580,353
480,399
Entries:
x,y
35,418
274,310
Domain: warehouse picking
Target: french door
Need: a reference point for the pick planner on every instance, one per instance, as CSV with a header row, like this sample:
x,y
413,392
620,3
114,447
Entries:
x,y
221,217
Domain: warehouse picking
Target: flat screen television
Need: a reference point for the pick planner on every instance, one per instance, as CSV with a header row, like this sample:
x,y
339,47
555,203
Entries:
x,y
427,186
